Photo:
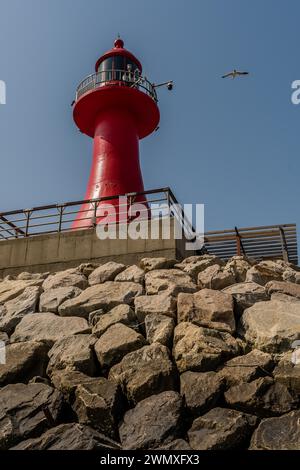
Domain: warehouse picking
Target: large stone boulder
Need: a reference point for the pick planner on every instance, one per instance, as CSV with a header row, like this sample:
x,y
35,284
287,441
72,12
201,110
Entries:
x,y
23,362
160,304
202,349
193,265
246,294
287,372
159,329
149,264
145,372
99,404
105,272
26,411
271,326
208,308
68,278
48,327
12,312
67,381
286,288
281,433
9,289
262,396
245,368
215,277
131,274
169,281
266,271
155,420
201,390
73,352
120,314
221,429
51,299
239,265
105,296
115,343
71,436
25,276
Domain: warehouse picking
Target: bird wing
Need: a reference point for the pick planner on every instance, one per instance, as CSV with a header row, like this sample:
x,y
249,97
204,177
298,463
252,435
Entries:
x,y
242,73
227,75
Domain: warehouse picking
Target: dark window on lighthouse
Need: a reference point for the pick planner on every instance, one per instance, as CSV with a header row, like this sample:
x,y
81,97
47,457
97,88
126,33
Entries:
x,y
113,68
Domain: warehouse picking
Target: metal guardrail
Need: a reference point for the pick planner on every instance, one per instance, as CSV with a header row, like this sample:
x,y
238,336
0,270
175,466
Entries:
x,y
57,218
264,242
116,78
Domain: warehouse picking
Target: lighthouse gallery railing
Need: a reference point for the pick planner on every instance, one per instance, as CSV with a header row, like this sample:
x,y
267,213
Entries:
x,y
116,78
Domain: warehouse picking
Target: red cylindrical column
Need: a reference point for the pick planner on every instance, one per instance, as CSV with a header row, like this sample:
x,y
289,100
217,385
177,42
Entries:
x,y
116,107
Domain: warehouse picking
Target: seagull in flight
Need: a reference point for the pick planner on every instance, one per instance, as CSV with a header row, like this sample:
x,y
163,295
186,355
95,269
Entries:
x,y
235,73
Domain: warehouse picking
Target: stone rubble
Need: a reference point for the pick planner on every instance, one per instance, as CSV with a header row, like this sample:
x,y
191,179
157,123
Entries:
x,y
197,354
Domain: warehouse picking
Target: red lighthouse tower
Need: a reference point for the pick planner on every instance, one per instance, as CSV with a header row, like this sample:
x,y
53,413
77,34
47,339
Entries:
x,y
116,106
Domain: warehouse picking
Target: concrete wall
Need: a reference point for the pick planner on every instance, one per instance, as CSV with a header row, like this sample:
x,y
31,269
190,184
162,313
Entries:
x,y
59,251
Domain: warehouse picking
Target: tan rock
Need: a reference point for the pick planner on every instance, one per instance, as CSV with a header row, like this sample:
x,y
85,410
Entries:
x,y
169,281
215,277
120,314
161,304
105,296
207,308
149,264
105,272
70,277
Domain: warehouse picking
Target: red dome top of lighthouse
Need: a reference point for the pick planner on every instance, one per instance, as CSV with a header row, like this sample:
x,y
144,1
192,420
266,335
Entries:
x,y
118,50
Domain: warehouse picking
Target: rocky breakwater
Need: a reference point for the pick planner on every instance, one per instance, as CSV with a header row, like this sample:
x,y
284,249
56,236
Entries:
x,y
198,354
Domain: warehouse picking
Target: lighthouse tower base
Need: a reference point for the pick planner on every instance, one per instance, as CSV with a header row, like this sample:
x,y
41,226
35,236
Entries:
x,y
59,251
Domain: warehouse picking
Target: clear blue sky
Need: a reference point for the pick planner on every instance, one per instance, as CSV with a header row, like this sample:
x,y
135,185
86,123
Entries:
x,y
233,145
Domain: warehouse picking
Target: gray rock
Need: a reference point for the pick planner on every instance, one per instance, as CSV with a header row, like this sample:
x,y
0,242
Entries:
x,y
26,411
154,420
68,278
177,444
105,296
25,276
73,352
23,361
66,381
51,299
131,274
161,304
208,308
115,343
221,429
105,272
239,265
193,265
48,327
159,329
145,372
271,326
261,396
246,294
4,338
215,277
281,433
99,404
9,289
12,312
266,271
95,316
168,281
288,373
286,288
87,268
201,349
149,264
201,390
71,436
120,314
245,368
